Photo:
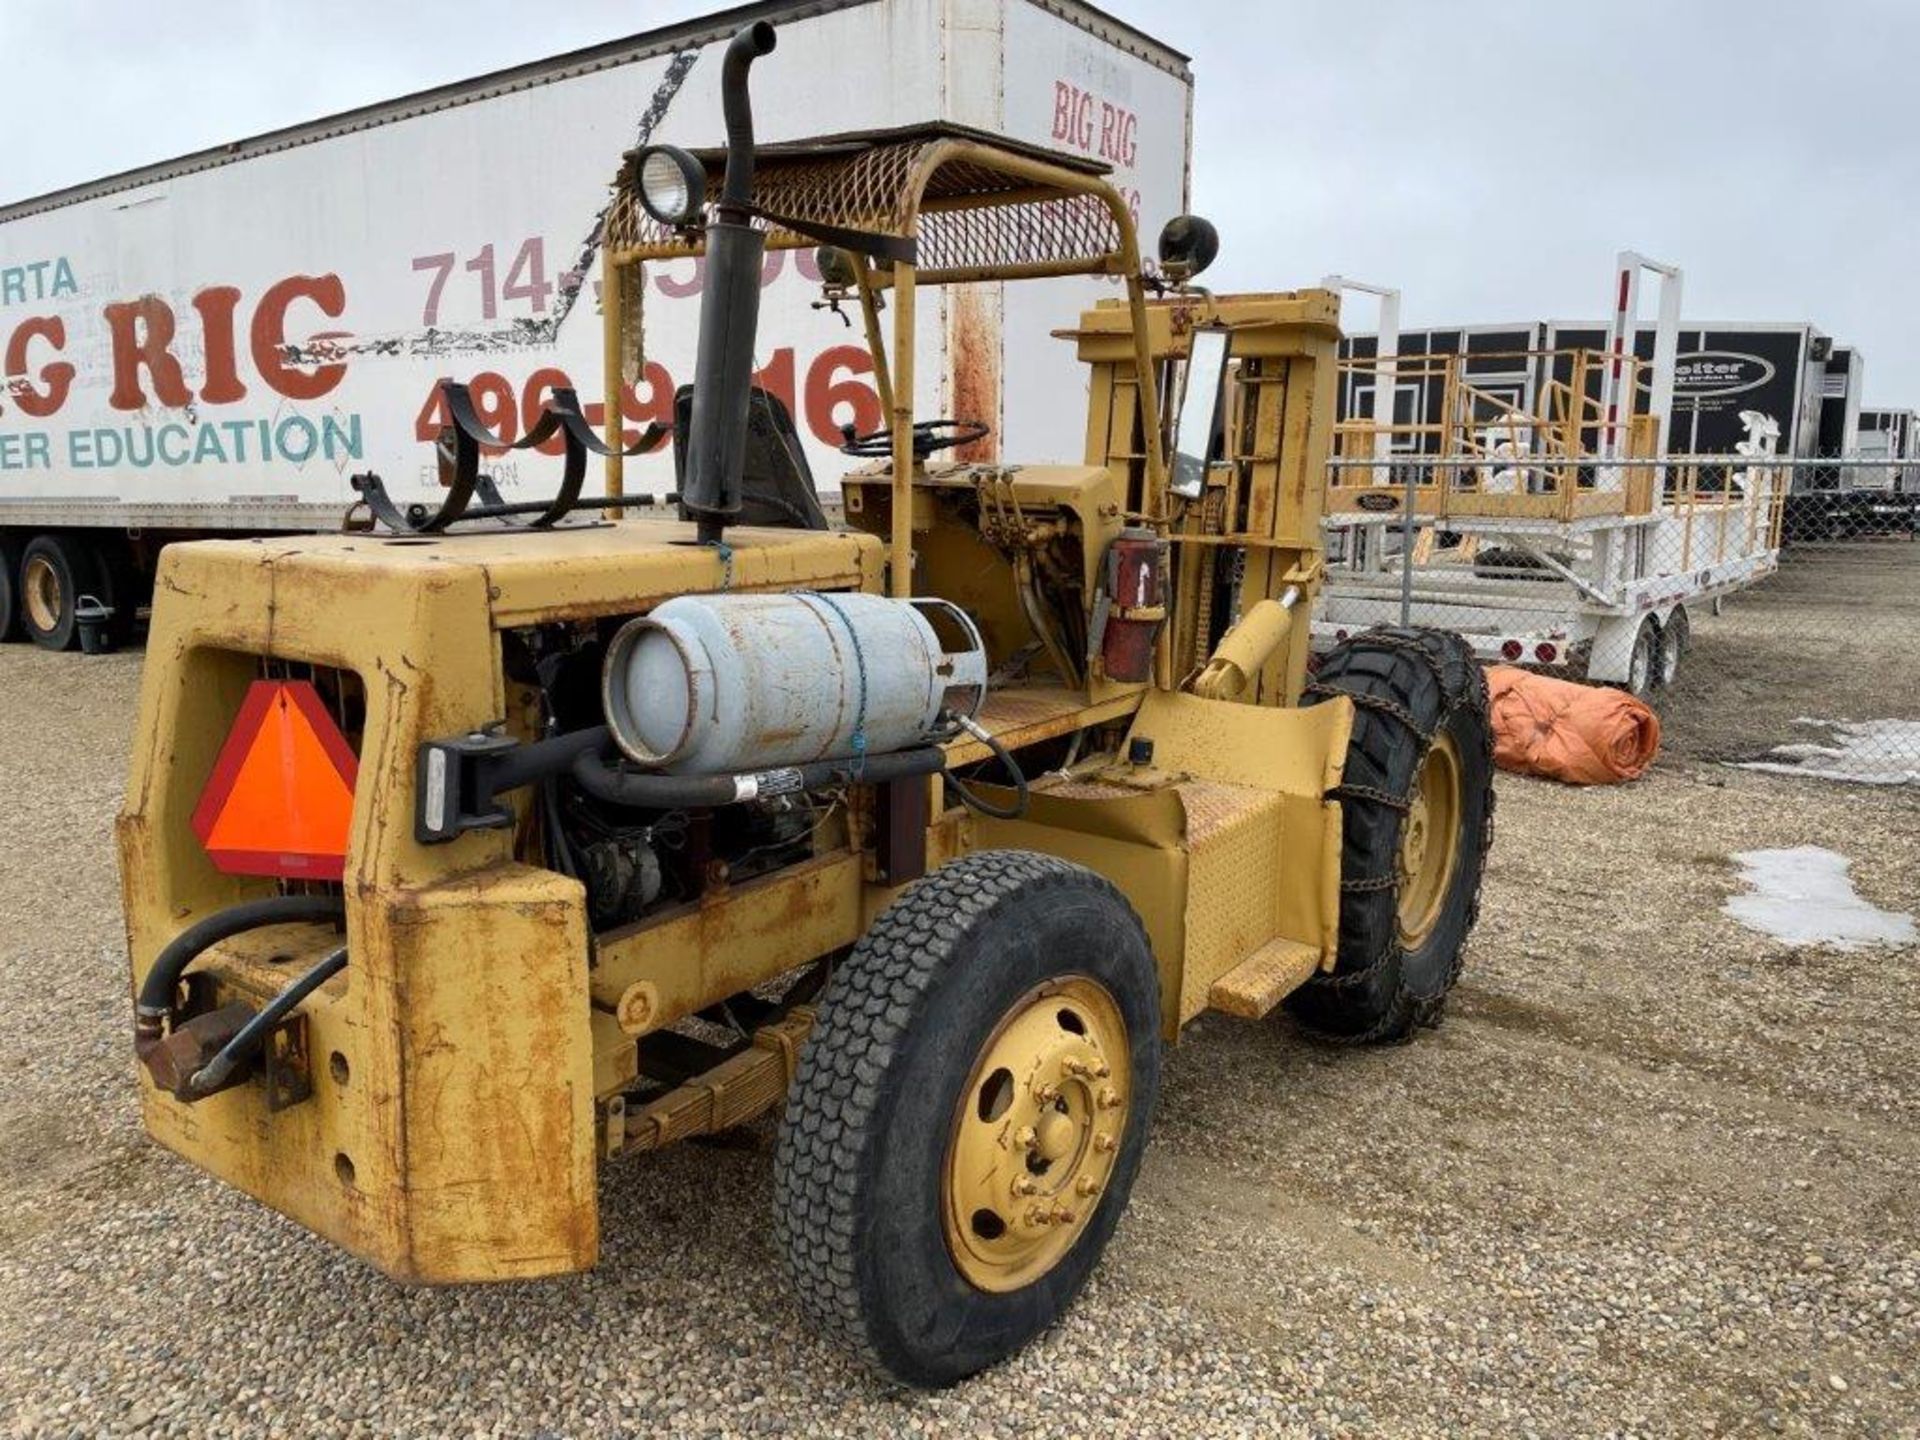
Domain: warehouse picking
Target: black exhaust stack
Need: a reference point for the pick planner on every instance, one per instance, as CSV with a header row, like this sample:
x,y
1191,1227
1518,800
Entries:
x,y
729,309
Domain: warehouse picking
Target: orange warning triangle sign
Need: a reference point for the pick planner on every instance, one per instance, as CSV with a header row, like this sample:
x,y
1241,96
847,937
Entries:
x,y
280,799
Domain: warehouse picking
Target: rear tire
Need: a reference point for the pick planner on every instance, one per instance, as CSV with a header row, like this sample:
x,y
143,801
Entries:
x,y
55,571
997,948
9,588
1416,794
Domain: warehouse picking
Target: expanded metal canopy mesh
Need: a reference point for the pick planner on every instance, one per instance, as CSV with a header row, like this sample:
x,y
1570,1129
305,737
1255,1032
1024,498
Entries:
x,y
962,200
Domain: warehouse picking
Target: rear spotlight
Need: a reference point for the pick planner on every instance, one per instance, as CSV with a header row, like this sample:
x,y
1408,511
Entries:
x,y
1512,650
1545,653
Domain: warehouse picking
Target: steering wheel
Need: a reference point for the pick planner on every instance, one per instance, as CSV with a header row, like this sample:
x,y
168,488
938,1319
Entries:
x,y
928,436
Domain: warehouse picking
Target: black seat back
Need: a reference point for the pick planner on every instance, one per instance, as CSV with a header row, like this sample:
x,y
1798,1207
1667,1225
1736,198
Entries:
x,y
777,483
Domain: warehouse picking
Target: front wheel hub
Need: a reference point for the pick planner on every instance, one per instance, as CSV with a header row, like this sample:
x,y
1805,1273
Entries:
x,y
1429,841
1036,1133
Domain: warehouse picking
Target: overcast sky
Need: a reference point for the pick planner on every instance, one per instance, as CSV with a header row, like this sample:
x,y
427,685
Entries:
x,y
1489,158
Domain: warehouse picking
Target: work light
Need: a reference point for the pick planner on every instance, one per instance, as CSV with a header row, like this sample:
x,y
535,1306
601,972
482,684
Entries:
x,y
836,267
1188,245
673,185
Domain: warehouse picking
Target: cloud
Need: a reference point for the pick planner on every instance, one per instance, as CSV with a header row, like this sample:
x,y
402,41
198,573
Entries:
x,y
1489,158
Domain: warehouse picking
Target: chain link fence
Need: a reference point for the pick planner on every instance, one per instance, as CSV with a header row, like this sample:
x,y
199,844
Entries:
x,y
1768,609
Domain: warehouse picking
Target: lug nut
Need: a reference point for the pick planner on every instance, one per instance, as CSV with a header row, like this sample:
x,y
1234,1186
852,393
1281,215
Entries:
x,y
1087,1185
1102,1070
1104,1144
1038,1215
1026,1137
1077,1067
1045,1094
1109,1098
1062,1215
1024,1185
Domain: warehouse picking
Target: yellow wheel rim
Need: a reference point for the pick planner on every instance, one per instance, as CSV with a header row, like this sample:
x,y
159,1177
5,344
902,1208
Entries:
x,y
1429,842
1036,1133
40,583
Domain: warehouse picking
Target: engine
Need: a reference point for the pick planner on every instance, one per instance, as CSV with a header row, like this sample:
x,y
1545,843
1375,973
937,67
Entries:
x,y
634,862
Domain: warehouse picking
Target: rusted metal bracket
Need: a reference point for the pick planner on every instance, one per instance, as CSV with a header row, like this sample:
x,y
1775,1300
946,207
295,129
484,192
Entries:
x,y
286,1064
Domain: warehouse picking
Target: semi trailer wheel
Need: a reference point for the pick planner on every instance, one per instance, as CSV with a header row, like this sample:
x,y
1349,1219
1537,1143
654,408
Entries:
x,y
121,585
9,587
1417,822
1675,636
968,1114
55,571
1644,663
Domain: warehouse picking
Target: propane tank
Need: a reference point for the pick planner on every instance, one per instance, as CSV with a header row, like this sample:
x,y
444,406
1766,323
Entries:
x,y
717,684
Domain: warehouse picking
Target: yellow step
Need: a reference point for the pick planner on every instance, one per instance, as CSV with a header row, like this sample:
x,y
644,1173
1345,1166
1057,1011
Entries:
x,y
1264,979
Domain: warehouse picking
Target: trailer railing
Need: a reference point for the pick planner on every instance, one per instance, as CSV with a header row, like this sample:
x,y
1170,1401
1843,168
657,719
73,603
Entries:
x,y
1506,433
1767,603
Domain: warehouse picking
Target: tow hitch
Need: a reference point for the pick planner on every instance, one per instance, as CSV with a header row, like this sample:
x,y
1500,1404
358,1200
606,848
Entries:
x,y
193,1057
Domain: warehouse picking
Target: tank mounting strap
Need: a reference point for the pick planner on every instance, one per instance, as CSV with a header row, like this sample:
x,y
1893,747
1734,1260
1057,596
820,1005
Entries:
x,y
859,738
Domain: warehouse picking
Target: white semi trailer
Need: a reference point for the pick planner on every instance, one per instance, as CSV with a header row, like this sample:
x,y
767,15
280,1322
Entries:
x,y
218,343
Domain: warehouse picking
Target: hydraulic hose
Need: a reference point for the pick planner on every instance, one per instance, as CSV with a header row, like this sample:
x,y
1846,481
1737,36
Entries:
x,y
250,1036
1000,752
156,999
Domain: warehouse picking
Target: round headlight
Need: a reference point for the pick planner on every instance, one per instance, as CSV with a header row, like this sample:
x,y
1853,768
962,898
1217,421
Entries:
x,y
1189,244
673,185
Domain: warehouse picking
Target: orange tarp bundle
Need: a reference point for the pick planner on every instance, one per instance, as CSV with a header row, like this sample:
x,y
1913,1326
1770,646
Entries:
x,y
1582,734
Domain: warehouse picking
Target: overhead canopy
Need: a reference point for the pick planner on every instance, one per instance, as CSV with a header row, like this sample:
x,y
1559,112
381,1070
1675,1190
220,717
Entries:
x,y
958,203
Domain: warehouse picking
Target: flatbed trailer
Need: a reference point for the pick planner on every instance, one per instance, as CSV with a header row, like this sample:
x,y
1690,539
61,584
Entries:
x,y
1608,594
1546,530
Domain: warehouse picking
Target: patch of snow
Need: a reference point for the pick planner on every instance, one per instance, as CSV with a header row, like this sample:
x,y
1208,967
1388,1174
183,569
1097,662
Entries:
x,y
1866,752
1803,896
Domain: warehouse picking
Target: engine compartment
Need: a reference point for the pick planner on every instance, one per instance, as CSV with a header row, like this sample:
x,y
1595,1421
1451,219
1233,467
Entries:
x,y
633,862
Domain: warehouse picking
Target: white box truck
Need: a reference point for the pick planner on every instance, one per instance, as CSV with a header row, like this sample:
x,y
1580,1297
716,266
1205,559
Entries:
x,y
218,343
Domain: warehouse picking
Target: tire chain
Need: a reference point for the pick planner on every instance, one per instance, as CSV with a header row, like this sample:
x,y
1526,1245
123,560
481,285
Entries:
x,y
1455,697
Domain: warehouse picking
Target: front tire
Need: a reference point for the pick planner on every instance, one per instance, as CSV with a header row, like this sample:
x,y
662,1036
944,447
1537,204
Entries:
x,y
969,1114
1417,822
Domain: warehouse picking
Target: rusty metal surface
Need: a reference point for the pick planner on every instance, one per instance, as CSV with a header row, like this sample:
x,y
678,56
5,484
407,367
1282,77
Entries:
x,y
173,1061
1026,715
1257,984
733,1092
286,1064
974,364
731,939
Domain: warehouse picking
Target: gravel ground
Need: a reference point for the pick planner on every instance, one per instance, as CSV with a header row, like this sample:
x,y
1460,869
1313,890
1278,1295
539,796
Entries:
x,y
1653,1176
1826,637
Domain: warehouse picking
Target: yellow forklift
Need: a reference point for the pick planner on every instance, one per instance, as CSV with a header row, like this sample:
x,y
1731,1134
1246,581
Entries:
x,y
485,842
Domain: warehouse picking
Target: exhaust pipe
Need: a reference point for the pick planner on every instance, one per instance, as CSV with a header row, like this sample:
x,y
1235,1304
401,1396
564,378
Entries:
x,y
729,309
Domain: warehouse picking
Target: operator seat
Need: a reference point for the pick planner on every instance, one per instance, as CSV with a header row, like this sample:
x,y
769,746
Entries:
x,y
776,482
